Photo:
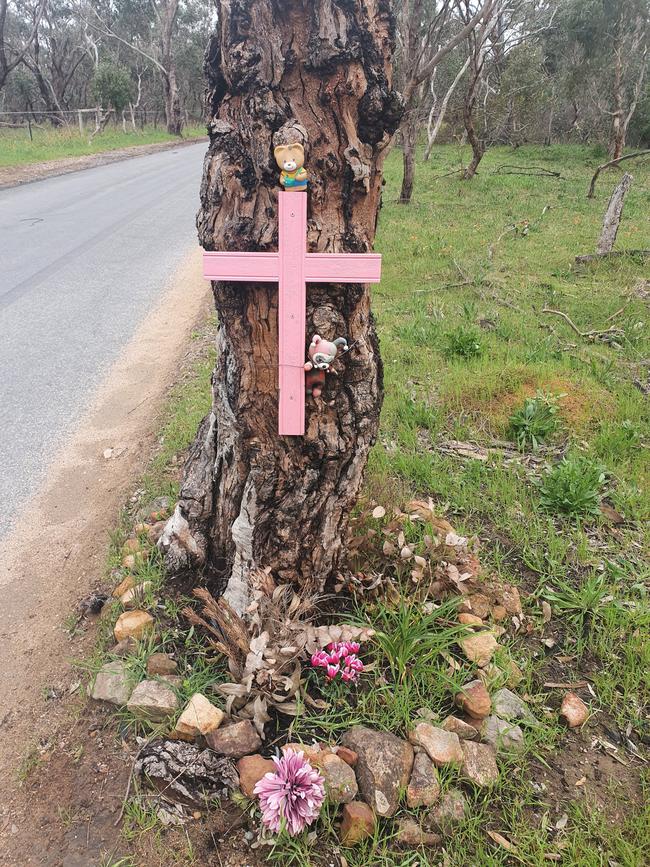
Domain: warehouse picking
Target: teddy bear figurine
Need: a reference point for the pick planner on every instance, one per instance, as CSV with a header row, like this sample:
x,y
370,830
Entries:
x,y
290,158
321,354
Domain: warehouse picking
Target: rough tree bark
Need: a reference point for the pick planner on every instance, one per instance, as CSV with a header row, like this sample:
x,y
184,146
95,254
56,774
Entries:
x,y
613,215
318,73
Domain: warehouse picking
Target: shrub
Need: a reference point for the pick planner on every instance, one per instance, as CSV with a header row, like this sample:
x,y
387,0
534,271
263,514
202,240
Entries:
x,y
573,487
463,342
535,421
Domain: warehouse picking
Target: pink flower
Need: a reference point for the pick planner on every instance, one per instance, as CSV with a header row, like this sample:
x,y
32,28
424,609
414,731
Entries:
x,y
339,657
292,795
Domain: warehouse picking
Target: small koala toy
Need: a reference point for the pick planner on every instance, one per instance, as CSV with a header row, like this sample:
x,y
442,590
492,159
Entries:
x,y
290,158
321,354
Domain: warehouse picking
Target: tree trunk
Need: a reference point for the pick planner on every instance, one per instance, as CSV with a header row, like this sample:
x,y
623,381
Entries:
x,y
617,141
410,131
613,215
173,114
250,498
478,148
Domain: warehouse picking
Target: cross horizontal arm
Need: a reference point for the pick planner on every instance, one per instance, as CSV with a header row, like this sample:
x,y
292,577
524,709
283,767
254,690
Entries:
x,y
343,267
248,267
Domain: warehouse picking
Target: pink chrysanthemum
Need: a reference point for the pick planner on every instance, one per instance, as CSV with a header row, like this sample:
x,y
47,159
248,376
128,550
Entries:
x,y
293,794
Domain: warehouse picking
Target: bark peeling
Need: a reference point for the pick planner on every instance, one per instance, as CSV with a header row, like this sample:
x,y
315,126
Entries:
x,y
320,73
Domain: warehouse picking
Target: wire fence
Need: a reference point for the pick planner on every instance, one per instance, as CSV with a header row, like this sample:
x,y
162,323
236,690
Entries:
x,y
87,120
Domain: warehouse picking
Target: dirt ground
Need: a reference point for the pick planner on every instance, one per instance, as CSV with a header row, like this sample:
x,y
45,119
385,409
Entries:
x,y
55,556
14,176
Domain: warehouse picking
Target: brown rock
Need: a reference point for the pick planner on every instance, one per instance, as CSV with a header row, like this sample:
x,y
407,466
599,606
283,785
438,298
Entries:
x,y
424,786
131,546
124,647
464,730
469,619
443,747
479,648
474,699
358,823
511,600
480,766
125,584
383,768
479,604
312,752
410,834
449,811
340,782
499,613
160,664
235,740
112,683
135,595
348,756
133,624
251,769
199,717
153,701
574,711
156,531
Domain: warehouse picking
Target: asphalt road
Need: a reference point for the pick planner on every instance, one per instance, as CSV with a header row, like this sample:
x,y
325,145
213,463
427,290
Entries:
x,y
83,258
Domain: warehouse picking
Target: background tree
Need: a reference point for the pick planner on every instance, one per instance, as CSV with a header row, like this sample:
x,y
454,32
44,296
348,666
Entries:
x,y
250,498
15,38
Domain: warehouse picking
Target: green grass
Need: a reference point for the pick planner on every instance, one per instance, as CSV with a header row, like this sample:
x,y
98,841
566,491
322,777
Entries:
x,y
16,148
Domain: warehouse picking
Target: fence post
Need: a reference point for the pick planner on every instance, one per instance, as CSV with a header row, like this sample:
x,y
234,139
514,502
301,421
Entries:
x,y
29,125
81,122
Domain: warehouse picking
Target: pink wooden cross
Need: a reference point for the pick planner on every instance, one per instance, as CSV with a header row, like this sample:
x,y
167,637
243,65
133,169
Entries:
x,y
292,268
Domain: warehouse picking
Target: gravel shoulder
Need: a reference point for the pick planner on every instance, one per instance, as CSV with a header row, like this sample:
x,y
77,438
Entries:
x,y
57,552
15,176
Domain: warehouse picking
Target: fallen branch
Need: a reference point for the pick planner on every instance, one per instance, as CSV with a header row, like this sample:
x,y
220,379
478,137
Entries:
x,y
613,214
535,171
586,335
592,185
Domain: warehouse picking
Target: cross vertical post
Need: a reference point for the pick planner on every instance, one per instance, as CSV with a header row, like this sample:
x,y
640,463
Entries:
x,y
292,312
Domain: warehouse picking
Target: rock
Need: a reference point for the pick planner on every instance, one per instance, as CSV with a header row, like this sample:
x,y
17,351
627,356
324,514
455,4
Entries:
x,y
479,605
508,705
312,752
160,664
153,701
424,786
131,546
135,595
410,834
464,730
340,782
574,711
112,683
474,699
480,766
479,648
442,747
358,823
348,756
134,624
199,717
469,619
124,585
499,613
235,740
511,600
155,532
383,768
251,769
502,736
449,812
124,647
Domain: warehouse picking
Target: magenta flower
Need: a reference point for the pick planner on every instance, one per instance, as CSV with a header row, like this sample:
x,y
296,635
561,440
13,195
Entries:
x,y
292,795
340,657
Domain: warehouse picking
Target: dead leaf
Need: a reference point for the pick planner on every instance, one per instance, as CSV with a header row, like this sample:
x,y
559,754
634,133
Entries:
x,y
561,823
547,612
378,512
501,840
611,514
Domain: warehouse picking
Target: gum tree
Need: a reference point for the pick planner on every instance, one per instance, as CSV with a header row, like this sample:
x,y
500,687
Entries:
x,y
320,74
